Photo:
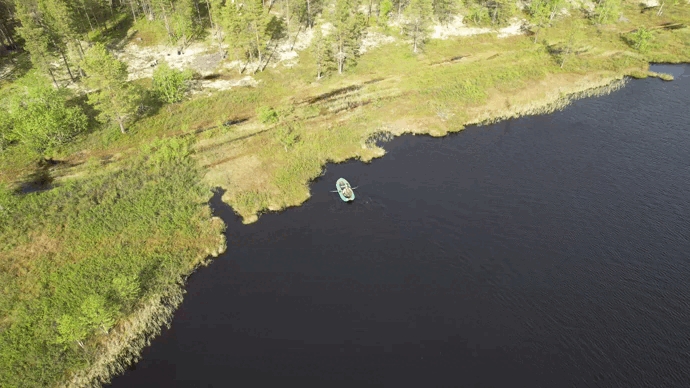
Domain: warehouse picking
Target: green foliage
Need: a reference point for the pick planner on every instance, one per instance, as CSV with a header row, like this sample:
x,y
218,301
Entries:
x,y
640,38
184,21
322,52
126,288
445,10
105,242
170,85
539,15
478,14
96,314
39,115
250,30
385,12
111,94
347,33
607,11
37,39
418,14
71,329
287,137
267,115
495,12
305,11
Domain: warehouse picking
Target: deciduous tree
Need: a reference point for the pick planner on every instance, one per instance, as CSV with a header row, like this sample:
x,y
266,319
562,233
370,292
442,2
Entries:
x,y
607,11
96,313
71,329
170,85
41,116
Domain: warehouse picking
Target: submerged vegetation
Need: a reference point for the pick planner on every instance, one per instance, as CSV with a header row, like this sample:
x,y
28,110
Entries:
x,y
93,264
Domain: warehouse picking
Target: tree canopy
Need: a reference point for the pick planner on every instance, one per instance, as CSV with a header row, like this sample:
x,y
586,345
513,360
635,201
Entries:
x,y
111,94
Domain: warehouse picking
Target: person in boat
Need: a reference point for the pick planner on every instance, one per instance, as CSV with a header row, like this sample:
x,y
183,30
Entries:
x,y
347,192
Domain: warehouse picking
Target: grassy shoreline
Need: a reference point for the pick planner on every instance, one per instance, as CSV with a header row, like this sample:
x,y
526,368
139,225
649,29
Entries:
x,y
138,330
157,226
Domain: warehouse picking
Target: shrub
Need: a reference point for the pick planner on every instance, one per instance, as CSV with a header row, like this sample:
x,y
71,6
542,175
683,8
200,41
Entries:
x,y
267,115
40,116
640,39
170,85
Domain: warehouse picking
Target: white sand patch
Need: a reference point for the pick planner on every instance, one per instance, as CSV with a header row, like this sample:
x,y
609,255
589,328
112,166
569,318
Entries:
x,y
515,28
650,3
374,39
458,28
587,5
143,60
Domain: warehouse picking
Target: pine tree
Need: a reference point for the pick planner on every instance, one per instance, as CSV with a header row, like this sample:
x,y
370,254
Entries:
x,y
322,52
444,10
539,13
185,24
418,15
37,40
64,24
256,18
384,13
231,19
6,23
111,94
347,33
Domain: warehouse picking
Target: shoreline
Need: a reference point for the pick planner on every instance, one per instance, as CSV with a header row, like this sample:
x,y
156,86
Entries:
x,y
550,101
126,342
264,166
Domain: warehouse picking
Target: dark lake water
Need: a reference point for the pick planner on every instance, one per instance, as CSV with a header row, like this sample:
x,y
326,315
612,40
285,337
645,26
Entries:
x,y
547,251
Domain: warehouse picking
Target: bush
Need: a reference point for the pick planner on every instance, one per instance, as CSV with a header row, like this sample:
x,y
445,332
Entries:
x,y
639,39
170,85
267,115
40,116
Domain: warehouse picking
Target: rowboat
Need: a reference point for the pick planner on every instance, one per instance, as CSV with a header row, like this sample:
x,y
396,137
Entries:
x,y
344,189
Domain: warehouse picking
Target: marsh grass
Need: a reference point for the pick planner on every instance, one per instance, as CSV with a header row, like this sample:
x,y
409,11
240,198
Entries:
x,y
149,221
141,210
438,89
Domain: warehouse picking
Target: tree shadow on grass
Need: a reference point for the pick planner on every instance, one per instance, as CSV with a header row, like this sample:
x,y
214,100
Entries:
x,y
19,64
90,112
116,35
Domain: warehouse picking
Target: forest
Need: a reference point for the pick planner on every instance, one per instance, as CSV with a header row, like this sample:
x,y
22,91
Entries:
x,y
93,263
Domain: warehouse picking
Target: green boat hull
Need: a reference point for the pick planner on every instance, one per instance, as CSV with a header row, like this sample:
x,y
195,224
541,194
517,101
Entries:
x,y
345,190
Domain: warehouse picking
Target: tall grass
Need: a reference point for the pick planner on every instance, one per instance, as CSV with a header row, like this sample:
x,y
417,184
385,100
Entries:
x,y
148,222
